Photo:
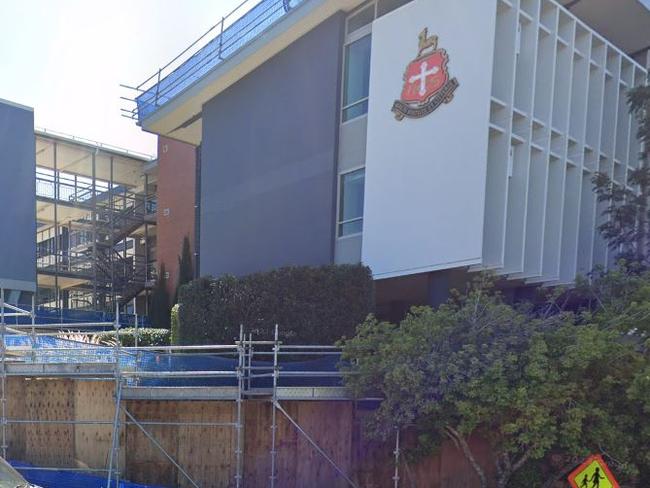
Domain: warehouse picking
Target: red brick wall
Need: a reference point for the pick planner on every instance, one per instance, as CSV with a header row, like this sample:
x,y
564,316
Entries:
x,y
176,200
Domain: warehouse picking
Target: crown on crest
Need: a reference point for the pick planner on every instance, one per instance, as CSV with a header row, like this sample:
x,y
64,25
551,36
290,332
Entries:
x,y
427,42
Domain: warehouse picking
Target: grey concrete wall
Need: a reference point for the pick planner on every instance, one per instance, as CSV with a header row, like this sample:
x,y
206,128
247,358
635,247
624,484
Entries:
x,y
268,161
17,198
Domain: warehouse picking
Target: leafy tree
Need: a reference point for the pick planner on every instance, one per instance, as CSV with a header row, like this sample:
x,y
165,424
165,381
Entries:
x,y
534,385
620,302
619,299
185,267
160,302
627,212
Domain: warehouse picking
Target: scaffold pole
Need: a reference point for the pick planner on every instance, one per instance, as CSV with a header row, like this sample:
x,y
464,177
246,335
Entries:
x,y
240,386
114,456
274,425
3,372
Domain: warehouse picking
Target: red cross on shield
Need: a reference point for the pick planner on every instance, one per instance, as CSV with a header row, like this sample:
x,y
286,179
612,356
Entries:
x,y
425,76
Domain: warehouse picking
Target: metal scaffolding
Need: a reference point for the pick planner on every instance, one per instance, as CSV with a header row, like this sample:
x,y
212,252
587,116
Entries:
x,y
121,365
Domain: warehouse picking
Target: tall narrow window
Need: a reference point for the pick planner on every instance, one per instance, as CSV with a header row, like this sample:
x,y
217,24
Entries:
x,y
351,202
357,78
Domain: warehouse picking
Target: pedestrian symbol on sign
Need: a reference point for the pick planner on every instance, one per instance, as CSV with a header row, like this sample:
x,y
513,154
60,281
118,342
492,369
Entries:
x,y
593,473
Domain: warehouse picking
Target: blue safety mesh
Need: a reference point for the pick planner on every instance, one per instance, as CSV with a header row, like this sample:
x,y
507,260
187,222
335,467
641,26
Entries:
x,y
313,370
46,315
236,36
53,350
67,479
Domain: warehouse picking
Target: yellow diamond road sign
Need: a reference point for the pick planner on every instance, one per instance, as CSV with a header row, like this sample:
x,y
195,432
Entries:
x,y
593,473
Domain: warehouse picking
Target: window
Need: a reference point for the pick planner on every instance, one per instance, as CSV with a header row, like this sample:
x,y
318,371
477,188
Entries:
x,y
351,202
361,18
357,78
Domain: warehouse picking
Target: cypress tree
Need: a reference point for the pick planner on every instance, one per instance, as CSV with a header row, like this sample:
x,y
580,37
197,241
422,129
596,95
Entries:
x,y
185,267
160,303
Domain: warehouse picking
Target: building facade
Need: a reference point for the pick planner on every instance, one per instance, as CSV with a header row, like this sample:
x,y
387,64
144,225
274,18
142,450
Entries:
x,y
78,229
17,201
424,139
96,225
177,206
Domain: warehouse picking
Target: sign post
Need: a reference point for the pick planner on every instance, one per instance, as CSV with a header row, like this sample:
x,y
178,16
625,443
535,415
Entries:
x,y
593,473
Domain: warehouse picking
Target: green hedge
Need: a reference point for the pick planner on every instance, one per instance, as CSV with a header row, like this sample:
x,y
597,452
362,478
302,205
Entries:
x,y
311,305
146,337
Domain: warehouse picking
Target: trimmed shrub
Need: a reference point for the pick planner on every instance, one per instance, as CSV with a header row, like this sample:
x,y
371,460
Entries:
x,y
311,305
146,337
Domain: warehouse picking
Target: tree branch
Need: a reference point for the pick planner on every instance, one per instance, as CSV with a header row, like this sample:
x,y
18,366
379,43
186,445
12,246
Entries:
x,y
522,460
464,446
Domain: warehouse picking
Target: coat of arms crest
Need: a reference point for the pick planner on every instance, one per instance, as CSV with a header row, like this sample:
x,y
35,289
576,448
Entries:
x,y
426,81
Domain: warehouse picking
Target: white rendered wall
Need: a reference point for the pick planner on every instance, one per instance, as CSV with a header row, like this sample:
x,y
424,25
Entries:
x,y
559,107
550,96
425,178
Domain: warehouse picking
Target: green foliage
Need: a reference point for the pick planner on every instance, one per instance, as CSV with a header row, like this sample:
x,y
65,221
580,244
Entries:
x,y
620,299
639,103
185,267
620,302
146,337
530,383
627,224
175,325
311,305
160,302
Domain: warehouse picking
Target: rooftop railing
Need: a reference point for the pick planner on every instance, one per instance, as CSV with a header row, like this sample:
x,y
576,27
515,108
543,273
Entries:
x,y
77,140
234,31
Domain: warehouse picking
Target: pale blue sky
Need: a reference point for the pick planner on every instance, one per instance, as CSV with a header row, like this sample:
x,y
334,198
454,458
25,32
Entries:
x,y
66,58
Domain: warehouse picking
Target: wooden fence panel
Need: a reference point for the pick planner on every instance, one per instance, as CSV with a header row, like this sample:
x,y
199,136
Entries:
x,y
208,453
16,409
257,443
145,463
93,400
50,444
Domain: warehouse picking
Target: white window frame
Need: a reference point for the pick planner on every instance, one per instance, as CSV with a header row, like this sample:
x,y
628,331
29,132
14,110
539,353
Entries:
x,y
360,8
351,38
340,222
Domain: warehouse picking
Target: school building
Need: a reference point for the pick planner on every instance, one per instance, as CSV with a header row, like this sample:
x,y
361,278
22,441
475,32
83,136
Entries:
x,y
425,139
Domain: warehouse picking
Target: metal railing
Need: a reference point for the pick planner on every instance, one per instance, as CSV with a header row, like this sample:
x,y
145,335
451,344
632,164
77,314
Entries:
x,y
65,189
43,132
78,263
234,31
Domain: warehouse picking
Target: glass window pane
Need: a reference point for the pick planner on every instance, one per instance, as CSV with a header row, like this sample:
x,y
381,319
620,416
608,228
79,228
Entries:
x,y
358,20
351,204
349,228
357,71
354,111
